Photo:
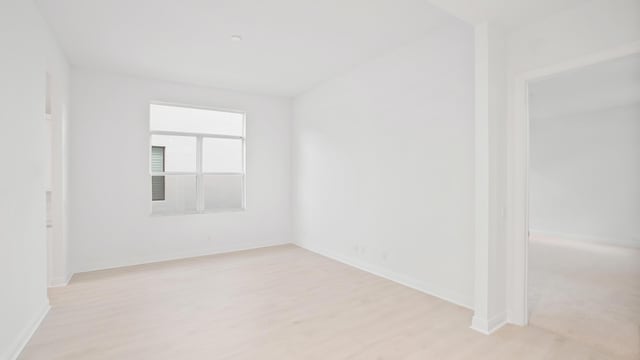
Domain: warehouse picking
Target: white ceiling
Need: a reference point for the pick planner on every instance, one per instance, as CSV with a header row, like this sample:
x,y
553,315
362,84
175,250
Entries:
x,y
288,46
605,85
509,13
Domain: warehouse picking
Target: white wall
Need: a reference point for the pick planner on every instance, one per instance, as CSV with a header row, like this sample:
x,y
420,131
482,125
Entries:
x,y
585,175
110,186
383,165
28,54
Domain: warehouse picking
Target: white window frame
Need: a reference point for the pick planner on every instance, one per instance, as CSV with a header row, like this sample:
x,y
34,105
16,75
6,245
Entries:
x,y
199,173
164,192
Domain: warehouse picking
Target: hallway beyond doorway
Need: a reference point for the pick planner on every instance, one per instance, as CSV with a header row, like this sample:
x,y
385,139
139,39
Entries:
x,y
587,292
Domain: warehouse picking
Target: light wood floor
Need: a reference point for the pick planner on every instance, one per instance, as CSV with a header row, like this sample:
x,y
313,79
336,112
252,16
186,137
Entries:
x,y
587,292
275,303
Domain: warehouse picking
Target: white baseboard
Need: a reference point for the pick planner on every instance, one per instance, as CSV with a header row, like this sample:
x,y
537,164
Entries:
x,y
516,320
586,238
387,274
27,333
60,282
156,259
488,326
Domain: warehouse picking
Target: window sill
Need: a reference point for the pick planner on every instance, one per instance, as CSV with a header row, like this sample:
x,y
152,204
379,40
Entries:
x,y
205,212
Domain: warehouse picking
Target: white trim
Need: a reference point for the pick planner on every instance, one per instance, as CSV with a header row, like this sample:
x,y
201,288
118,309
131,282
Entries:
x,y
223,173
27,333
203,212
169,173
620,242
488,326
199,177
518,228
192,106
584,61
199,174
386,274
172,257
482,174
60,281
201,135
517,225
174,173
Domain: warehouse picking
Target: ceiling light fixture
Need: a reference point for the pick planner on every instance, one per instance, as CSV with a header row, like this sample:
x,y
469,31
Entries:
x,y
236,37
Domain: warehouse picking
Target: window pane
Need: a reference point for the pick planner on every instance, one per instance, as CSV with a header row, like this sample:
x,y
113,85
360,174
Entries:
x,y
185,119
179,195
223,192
157,188
222,155
179,152
157,158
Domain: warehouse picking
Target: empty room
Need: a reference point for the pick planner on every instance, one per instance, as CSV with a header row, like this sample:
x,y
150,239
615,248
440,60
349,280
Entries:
x,y
585,204
296,179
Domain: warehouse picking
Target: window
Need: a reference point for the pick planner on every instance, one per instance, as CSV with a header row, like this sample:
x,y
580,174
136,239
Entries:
x,y
157,166
196,160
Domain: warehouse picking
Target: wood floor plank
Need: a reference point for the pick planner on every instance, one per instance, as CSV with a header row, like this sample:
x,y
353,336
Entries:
x,y
275,303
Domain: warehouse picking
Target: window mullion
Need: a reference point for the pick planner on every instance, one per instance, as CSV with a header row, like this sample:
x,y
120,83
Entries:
x,y
199,177
244,173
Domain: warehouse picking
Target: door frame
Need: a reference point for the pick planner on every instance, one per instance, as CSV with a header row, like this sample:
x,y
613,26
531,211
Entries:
x,y
518,226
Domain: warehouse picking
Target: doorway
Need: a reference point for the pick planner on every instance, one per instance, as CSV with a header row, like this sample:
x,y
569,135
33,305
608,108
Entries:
x,y
48,185
54,185
584,204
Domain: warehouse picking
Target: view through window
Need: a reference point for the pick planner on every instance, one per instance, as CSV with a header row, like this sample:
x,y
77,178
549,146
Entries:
x,y
196,159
